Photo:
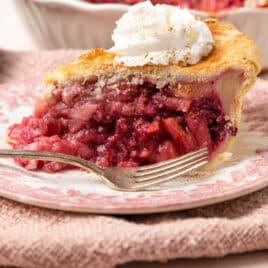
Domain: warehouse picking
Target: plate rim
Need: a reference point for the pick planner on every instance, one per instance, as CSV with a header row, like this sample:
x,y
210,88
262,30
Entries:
x,y
227,195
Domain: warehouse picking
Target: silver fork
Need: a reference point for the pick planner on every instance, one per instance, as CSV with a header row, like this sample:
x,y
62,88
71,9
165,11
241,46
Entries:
x,y
123,179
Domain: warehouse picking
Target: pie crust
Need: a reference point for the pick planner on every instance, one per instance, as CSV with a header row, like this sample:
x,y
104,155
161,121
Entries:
x,y
181,99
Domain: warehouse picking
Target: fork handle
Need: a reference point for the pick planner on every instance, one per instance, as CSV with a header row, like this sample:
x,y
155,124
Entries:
x,y
56,157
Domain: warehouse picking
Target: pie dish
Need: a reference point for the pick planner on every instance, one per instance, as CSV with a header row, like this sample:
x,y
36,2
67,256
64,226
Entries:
x,y
49,25
115,115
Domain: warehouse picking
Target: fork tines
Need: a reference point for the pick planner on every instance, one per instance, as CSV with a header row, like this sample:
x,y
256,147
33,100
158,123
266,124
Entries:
x,y
171,168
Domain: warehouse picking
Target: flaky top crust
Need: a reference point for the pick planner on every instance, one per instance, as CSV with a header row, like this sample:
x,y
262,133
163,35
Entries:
x,y
232,50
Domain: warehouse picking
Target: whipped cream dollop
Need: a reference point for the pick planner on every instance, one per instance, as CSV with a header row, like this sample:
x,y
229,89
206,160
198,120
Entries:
x,y
160,34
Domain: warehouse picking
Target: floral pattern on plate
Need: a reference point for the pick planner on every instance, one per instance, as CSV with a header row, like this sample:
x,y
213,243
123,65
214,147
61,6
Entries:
x,y
74,190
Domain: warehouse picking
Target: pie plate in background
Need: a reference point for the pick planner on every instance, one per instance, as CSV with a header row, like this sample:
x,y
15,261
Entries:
x,y
74,190
78,24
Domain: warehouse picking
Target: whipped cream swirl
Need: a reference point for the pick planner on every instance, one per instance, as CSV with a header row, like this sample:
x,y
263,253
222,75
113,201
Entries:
x,y
160,34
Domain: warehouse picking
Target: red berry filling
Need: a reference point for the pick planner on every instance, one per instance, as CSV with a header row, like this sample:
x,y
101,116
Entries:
x,y
125,125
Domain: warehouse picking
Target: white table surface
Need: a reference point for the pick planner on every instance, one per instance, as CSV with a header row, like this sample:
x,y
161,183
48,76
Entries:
x,y
14,36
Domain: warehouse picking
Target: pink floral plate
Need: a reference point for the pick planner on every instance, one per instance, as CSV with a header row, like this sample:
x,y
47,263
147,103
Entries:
x,y
246,170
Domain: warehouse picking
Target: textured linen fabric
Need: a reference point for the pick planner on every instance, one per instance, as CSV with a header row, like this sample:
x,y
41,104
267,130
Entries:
x,y
36,237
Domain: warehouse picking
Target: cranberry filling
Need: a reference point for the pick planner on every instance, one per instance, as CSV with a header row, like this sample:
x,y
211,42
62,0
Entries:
x,y
129,125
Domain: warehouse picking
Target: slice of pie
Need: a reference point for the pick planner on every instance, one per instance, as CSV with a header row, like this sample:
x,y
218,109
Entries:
x,y
115,115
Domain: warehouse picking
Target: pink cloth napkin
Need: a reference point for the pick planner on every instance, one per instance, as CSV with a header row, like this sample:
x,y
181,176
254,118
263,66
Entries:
x,y
35,237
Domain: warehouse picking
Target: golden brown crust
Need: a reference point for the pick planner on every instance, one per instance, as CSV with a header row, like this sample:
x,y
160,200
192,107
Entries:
x,y
232,50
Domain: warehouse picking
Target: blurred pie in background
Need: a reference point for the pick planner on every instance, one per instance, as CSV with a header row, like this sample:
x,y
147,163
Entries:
x,y
204,5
